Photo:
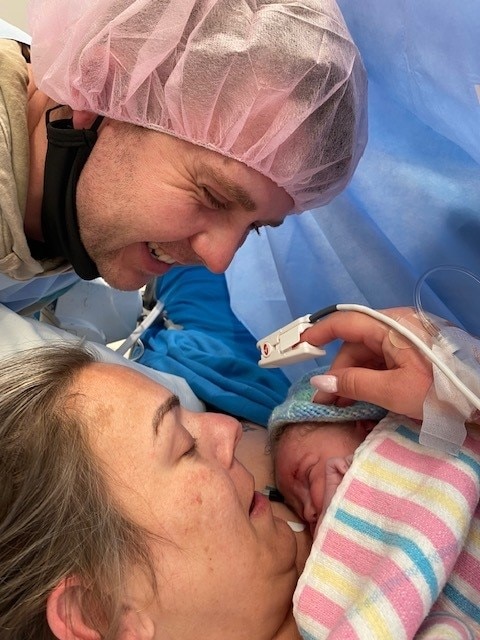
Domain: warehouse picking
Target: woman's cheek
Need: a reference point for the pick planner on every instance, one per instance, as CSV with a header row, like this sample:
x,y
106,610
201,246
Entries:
x,y
208,498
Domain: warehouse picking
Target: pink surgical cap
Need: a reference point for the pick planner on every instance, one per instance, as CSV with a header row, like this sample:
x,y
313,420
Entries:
x,y
279,86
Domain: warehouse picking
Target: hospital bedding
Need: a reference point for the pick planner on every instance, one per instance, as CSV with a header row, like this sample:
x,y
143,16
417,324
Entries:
x,y
398,553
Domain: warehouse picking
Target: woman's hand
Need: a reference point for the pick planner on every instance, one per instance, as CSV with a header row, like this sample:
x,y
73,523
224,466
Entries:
x,y
375,364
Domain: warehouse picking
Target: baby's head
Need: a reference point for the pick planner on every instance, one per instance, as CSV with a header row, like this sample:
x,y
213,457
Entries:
x,y
304,435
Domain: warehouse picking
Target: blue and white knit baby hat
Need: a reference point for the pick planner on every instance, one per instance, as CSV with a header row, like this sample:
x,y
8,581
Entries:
x,y
298,407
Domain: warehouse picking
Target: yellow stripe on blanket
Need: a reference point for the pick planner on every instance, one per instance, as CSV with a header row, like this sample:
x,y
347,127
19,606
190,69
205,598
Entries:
x,y
331,576
474,539
430,494
368,610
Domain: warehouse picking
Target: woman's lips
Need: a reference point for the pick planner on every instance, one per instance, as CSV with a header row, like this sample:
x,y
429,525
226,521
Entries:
x,y
260,504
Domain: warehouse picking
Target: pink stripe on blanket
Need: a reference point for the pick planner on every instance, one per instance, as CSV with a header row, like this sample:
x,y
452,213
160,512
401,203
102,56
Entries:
x,y
389,578
318,607
440,536
431,467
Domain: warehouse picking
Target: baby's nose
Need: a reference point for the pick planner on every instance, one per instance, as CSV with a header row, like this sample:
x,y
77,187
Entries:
x,y
310,514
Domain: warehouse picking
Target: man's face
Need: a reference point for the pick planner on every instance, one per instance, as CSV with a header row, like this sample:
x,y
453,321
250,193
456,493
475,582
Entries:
x,y
147,201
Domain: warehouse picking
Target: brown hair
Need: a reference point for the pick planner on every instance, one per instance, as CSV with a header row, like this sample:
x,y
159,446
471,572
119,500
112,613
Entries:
x,y
274,436
57,517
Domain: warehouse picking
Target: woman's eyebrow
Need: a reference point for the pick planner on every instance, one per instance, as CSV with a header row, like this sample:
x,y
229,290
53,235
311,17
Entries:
x,y
172,402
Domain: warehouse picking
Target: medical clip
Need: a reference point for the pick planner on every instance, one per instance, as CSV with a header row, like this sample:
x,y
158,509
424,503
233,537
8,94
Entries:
x,y
283,346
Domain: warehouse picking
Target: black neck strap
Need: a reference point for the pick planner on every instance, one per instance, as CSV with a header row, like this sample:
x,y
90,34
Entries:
x,y
67,152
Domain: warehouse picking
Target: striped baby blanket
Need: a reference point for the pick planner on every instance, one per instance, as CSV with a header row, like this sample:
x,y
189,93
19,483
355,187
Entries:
x,y
398,553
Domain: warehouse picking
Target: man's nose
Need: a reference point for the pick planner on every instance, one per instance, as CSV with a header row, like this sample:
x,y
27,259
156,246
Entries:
x,y
217,247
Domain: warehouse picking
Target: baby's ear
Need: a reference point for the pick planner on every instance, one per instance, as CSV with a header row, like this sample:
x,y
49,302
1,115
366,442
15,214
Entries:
x,y
64,614
365,426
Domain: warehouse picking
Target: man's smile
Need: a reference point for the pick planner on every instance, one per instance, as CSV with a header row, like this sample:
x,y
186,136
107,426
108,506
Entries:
x,y
160,255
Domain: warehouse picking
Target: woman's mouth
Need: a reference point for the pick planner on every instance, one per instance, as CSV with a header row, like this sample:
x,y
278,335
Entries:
x,y
157,253
259,504
252,504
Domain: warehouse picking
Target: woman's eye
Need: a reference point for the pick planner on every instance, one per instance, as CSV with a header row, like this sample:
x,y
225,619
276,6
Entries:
x,y
213,201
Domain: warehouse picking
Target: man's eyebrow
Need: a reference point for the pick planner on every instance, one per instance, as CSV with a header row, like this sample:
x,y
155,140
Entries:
x,y
232,189
172,402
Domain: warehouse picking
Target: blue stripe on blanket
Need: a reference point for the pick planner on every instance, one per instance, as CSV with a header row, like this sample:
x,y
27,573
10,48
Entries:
x,y
409,547
462,602
475,466
407,433
413,436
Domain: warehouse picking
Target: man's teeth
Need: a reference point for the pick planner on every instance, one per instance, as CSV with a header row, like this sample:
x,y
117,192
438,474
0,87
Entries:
x,y
158,254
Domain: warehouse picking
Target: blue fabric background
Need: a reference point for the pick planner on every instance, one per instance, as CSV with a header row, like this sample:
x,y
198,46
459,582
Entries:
x,y
213,352
414,201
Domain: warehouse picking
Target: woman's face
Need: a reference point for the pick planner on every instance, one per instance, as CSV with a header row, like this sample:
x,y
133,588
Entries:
x,y
225,566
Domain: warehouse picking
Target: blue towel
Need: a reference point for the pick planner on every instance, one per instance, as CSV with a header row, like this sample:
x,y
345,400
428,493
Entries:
x,y
213,351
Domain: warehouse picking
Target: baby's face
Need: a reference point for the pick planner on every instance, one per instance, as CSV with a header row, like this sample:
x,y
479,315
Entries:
x,y
300,462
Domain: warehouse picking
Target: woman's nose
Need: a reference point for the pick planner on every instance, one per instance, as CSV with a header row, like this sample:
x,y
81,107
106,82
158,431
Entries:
x,y
221,435
217,247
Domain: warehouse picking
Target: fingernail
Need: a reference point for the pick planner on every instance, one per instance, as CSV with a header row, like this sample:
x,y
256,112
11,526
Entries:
x,y
326,383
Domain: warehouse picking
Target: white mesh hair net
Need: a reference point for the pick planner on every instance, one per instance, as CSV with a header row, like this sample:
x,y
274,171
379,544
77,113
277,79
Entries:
x,y
278,85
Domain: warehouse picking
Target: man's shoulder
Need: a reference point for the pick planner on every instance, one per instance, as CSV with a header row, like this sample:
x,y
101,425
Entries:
x,y
13,69
10,32
11,56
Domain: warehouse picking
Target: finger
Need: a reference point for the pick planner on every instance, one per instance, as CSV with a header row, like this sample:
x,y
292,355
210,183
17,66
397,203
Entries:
x,y
357,355
323,397
349,326
391,389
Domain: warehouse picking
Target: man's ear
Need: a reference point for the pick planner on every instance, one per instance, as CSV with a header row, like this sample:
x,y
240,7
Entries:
x,y
64,615
83,119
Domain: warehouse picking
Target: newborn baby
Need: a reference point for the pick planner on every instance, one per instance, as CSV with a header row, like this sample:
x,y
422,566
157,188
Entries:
x,y
397,548
312,447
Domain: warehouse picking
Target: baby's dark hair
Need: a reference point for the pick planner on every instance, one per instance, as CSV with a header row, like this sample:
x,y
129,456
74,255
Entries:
x,y
308,426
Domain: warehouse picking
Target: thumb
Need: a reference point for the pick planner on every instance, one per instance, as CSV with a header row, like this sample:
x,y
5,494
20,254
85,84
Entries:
x,y
380,387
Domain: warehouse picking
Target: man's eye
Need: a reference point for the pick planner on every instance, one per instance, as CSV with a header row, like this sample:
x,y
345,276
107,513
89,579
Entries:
x,y
217,204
